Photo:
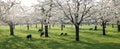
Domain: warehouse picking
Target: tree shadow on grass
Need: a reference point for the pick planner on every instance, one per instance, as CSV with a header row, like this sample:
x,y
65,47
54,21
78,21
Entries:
x,y
91,32
1,31
55,29
108,30
103,46
58,45
96,45
85,43
112,36
15,42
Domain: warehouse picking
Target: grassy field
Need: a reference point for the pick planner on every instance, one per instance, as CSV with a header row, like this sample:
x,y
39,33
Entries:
x,y
89,39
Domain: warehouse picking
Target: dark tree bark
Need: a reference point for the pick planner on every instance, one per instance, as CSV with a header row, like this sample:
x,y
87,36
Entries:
x,y
11,29
28,26
118,26
46,30
77,32
95,27
104,26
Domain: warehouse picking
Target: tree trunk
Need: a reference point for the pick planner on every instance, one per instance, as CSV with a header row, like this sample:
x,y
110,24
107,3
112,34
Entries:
x,y
77,32
104,26
11,29
118,28
95,27
28,27
46,30
118,25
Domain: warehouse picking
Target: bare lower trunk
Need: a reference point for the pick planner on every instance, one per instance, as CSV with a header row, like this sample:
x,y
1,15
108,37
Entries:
x,y
11,30
104,26
95,27
77,32
112,25
118,26
104,33
46,30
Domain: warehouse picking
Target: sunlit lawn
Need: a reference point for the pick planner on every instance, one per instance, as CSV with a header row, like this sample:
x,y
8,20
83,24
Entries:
x,y
89,39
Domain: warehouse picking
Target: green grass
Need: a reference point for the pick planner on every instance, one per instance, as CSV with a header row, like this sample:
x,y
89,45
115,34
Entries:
x,y
89,39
